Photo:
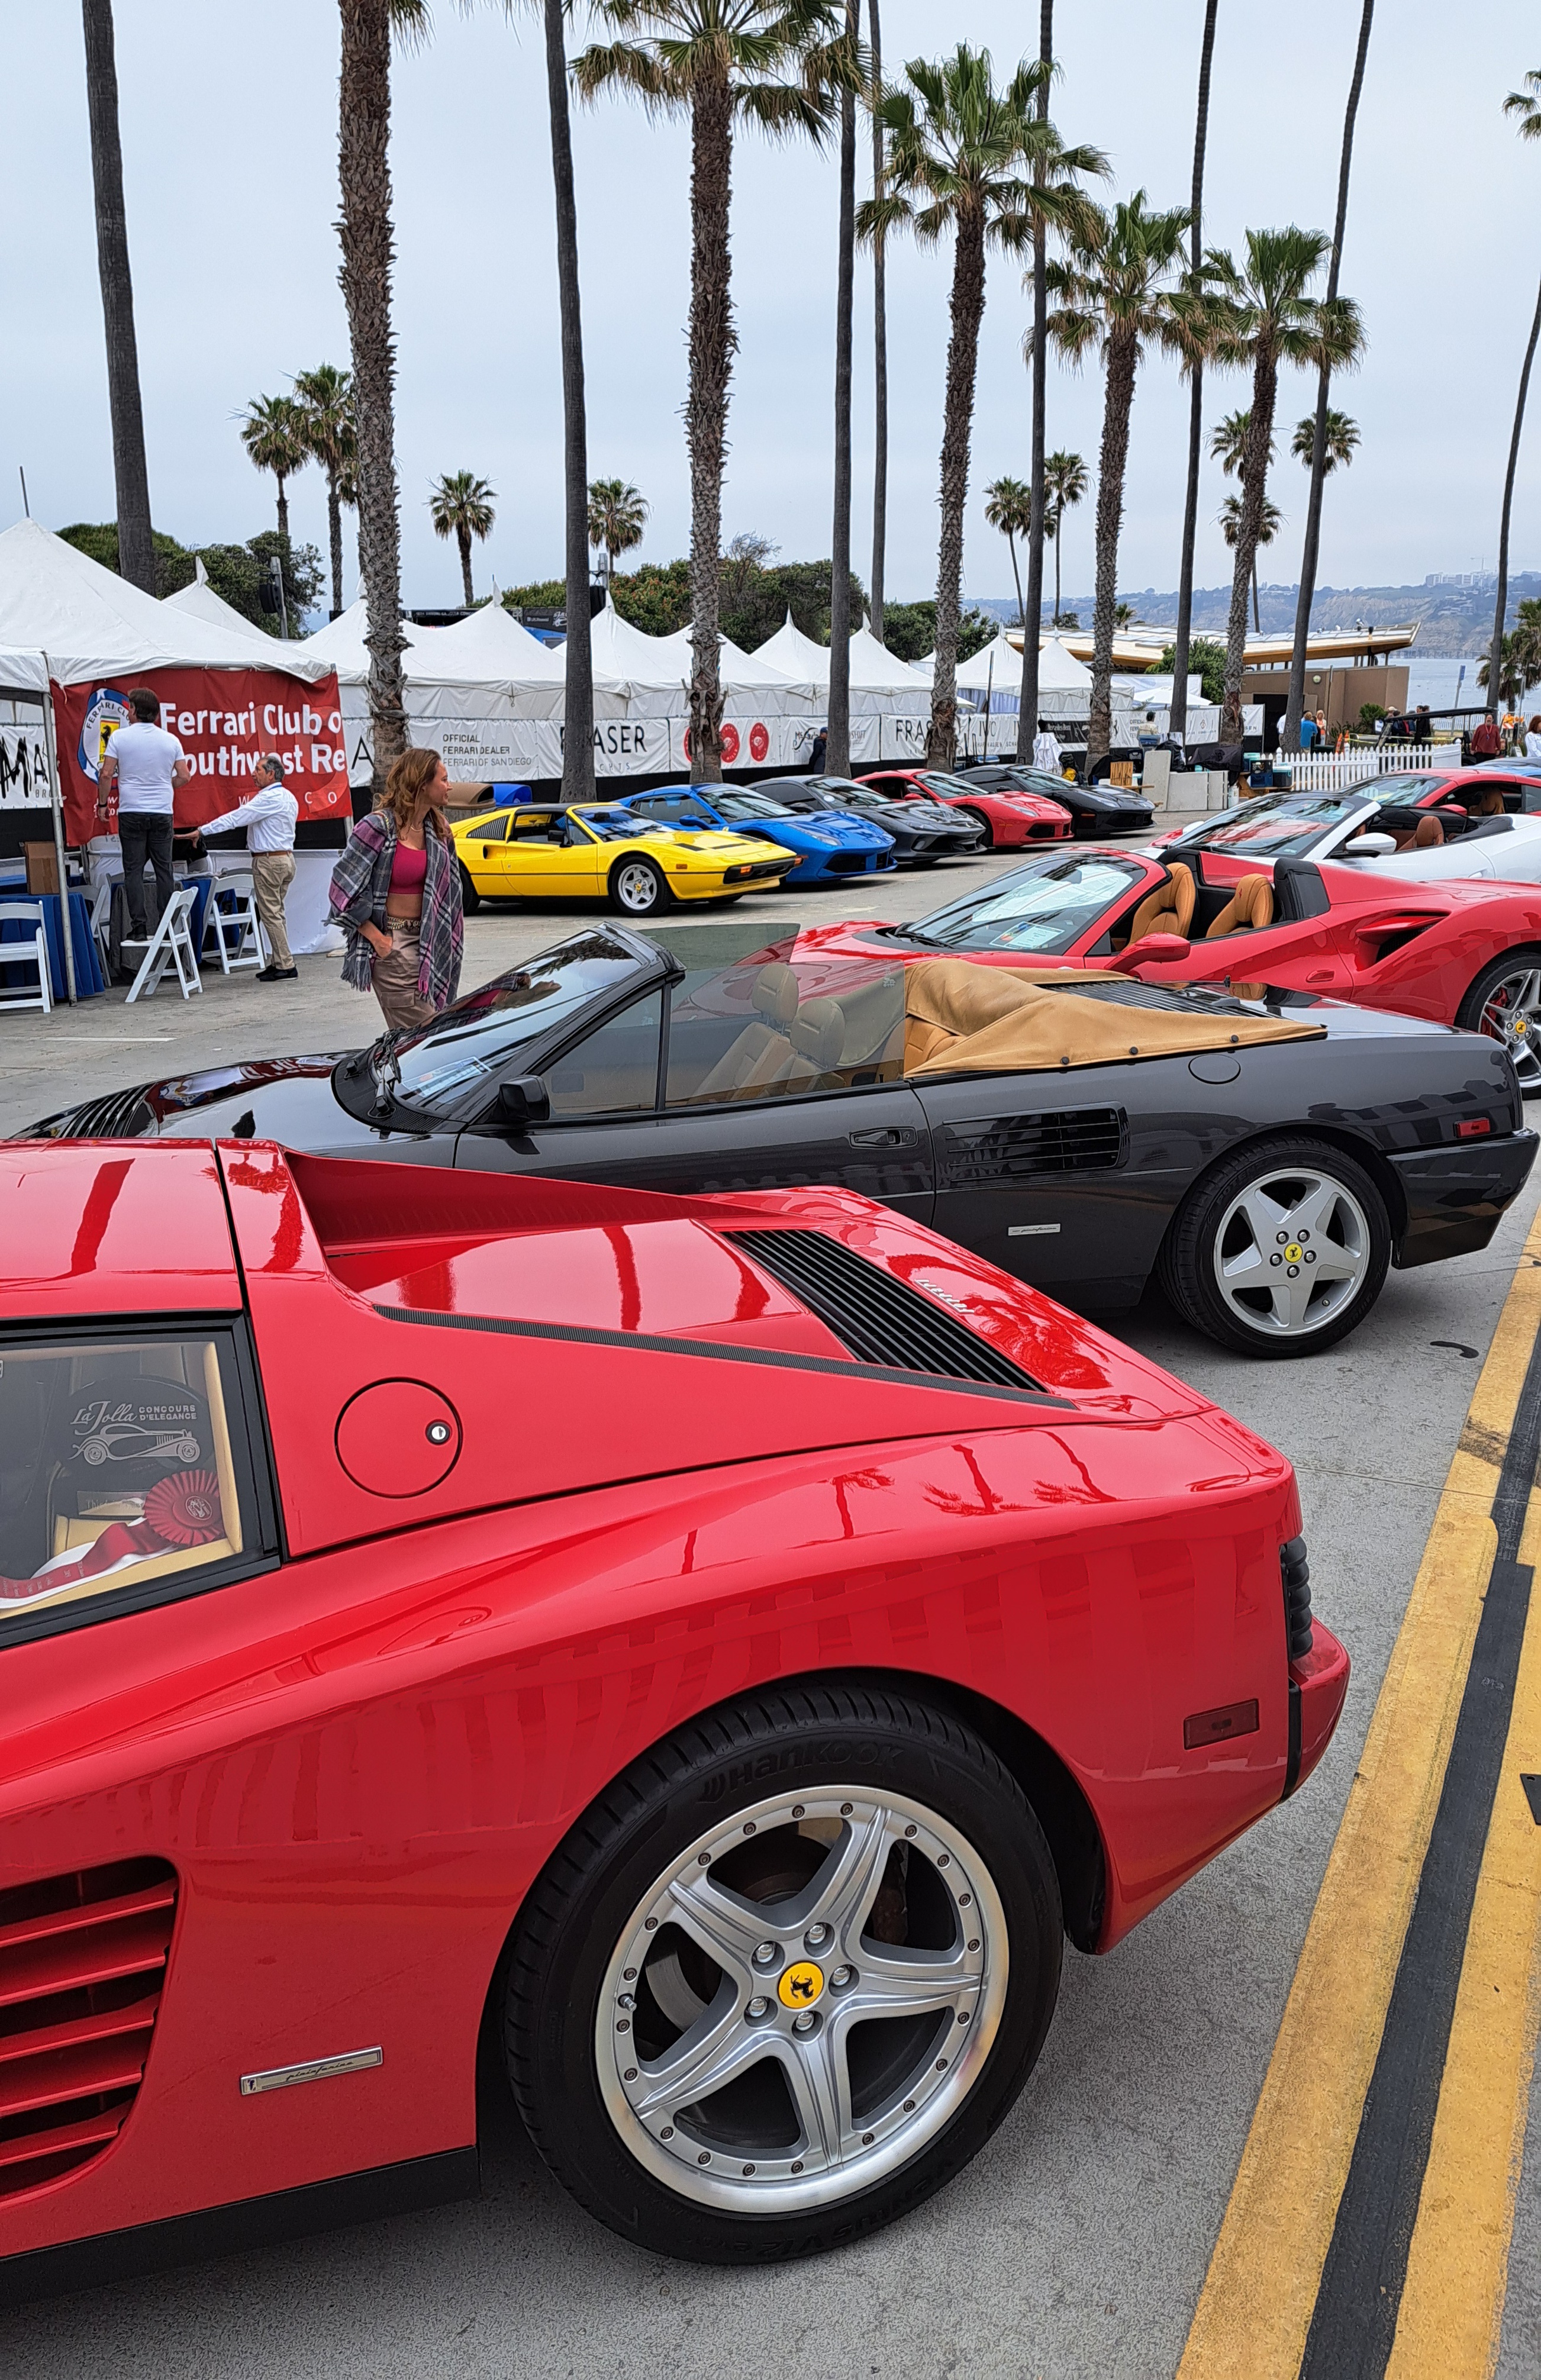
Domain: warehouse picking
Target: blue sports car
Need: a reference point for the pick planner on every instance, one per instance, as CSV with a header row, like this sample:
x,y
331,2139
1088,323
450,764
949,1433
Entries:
x,y
828,842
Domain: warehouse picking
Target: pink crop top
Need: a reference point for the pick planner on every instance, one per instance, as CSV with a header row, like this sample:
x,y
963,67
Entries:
x,y
408,869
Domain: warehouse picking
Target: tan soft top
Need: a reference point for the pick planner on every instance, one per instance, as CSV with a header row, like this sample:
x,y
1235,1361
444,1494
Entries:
x,y
961,1018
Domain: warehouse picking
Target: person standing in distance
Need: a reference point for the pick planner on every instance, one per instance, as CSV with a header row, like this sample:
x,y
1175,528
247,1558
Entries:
x,y
269,820
395,892
149,769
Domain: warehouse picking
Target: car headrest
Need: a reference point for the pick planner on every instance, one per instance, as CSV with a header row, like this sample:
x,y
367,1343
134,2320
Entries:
x,y
817,1031
776,994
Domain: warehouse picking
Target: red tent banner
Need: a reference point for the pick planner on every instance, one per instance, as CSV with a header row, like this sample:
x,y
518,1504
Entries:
x,y
224,719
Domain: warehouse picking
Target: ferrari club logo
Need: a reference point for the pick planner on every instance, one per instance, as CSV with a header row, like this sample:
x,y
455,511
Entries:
x,y
105,713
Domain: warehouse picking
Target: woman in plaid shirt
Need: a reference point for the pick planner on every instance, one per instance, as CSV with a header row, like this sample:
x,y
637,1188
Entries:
x,y
395,892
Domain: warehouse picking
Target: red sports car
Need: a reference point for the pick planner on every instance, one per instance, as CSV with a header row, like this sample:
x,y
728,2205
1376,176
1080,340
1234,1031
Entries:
x,y
716,1647
1010,820
1464,952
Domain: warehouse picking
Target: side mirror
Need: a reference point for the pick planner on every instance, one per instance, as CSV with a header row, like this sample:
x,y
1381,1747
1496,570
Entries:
x,y
1152,950
523,1099
1369,846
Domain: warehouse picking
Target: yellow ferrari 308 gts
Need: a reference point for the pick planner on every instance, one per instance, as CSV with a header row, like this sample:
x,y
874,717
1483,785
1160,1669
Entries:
x,y
581,853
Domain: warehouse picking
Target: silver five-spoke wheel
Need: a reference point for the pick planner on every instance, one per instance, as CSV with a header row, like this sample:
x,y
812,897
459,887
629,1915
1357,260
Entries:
x,y
637,888
1511,1013
802,2000
1292,1252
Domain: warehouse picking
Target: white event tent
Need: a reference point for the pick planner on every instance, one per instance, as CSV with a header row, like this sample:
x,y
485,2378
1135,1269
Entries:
x,y
891,702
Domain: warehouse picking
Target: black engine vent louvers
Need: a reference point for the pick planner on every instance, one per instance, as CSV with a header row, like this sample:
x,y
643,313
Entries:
x,y
878,1319
1013,1147
1295,1572
119,1115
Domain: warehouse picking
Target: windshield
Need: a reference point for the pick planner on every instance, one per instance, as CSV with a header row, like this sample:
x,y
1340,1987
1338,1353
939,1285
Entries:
x,y
735,805
1046,907
1282,823
945,787
618,825
483,1034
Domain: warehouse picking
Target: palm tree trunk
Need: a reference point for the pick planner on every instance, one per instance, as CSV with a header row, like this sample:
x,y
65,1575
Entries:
x,y
837,758
1256,615
335,526
463,540
1295,703
136,550
1017,575
1112,462
713,342
1058,526
1028,705
1495,652
578,734
1254,480
364,174
879,351
283,512
1179,720
962,357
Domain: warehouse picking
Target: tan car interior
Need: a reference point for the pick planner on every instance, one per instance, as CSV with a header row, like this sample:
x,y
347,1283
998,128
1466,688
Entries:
x,y
795,1044
1250,905
1168,910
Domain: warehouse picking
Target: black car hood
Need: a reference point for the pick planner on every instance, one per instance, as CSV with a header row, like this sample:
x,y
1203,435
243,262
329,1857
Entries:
x,y
287,1100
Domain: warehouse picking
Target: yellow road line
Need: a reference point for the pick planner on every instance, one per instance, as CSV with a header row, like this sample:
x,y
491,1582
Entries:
x,y
1451,2309
1255,2306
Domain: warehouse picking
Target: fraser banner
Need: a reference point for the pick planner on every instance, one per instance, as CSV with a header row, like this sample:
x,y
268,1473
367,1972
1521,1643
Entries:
x,y
223,721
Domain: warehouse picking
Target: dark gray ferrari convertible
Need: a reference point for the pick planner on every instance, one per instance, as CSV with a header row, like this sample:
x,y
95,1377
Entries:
x,y
1268,1157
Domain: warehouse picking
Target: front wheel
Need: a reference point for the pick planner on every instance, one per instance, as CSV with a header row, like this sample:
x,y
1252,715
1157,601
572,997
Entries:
x,y
981,821
1281,1251
1505,1003
637,888
471,899
784,1977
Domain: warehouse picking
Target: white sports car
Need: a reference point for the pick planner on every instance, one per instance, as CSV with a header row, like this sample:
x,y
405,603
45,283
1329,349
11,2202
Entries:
x,y
1507,849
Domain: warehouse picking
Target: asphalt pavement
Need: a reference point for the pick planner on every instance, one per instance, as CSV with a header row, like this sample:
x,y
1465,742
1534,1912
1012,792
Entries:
x,y
1077,2242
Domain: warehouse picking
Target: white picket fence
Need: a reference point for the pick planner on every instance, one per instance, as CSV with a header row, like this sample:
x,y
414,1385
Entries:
x,y
1328,773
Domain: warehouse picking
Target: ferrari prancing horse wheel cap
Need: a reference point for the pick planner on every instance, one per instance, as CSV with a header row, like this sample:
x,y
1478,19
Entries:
x,y
801,1985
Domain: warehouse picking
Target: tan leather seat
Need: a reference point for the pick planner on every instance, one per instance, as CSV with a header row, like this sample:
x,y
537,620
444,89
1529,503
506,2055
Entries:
x,y
1429,836
1249,906
818,1033
763,1051
1170,909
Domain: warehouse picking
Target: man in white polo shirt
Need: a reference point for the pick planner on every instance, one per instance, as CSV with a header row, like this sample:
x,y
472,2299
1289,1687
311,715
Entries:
x,y
269,820
149,769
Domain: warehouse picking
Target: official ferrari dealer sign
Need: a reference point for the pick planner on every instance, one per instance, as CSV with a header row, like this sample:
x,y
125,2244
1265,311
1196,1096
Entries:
x,y
223,719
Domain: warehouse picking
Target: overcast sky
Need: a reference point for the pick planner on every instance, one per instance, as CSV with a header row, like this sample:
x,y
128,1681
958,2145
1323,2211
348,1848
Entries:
x,y
229,141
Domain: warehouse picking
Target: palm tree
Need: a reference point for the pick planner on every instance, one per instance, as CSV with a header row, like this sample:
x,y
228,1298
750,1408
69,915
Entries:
x,y
1340,437
1065,485
838,728
714,60
617,517
880,338
1123,615
326,400
461,506
1178,715
364,176
1228,441
1525,104
1056,174
1296,702
1115,290
955,147
578,735
272,432
136,550
1009,507
1229,519
1271,318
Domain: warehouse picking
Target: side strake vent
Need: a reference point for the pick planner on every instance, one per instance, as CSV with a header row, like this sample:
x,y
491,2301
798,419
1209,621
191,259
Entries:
x,y
117,1115
878,1317
1014,1148
83,1959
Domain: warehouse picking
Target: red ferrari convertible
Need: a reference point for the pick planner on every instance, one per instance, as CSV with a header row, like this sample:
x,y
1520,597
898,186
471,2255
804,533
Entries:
x,y
1010,820
717,1647
1463,953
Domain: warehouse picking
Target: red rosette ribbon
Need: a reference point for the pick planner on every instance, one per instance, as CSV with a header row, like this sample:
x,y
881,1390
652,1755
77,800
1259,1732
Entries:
x,y
184,1509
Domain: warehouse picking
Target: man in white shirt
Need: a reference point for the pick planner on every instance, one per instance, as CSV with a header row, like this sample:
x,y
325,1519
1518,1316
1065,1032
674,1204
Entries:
x,y
1046,751
148,768
269,820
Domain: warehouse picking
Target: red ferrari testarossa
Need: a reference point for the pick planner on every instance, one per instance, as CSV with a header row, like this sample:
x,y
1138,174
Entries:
x,y
727,1642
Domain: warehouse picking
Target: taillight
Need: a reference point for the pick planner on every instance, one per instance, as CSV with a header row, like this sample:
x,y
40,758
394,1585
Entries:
x,y
1295,1572
1473,1127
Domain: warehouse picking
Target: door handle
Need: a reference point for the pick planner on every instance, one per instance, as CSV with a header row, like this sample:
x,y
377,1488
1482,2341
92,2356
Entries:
x,y
884,1136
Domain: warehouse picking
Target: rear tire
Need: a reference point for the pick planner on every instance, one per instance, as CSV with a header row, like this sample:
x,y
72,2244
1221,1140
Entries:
x,y
1506,990
829,1807
1281,1250
638,890
471,899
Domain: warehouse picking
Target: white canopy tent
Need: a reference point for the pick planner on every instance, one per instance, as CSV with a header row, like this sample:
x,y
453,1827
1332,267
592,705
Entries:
x,y
891,702
198,600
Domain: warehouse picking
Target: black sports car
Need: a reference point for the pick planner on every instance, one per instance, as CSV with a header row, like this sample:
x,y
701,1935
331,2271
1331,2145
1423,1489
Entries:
x,y
923,831
1094,809
1270,1180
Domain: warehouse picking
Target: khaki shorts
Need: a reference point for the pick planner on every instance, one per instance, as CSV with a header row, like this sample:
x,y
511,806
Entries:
x,y
395,981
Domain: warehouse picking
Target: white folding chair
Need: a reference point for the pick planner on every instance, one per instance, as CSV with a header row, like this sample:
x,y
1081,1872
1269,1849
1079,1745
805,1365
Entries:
x,y
170,946
29,951
102,921
237,928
